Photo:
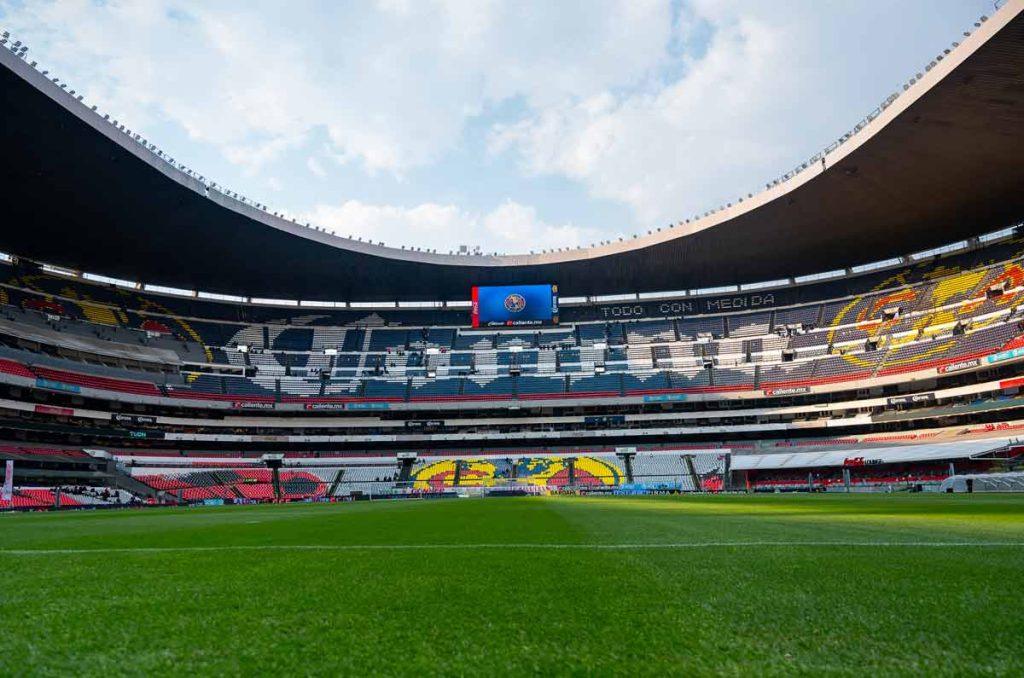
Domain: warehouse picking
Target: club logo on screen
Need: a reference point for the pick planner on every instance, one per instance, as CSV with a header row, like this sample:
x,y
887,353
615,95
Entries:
x,y
514,303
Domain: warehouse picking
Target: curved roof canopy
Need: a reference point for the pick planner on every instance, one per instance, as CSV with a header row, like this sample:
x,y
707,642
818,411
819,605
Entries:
x,y
944,161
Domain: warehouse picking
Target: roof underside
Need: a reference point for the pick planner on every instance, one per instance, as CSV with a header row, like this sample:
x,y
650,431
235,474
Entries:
x,y
949,166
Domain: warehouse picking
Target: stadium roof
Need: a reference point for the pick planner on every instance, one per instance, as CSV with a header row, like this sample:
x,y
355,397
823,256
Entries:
x,y
944,161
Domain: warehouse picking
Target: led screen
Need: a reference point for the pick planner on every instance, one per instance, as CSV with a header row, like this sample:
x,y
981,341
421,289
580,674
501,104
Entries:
x,y
515,305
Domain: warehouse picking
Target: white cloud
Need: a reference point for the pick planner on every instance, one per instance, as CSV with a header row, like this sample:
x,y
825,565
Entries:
x,y
653,150
314,166
392,86
510,227
775,85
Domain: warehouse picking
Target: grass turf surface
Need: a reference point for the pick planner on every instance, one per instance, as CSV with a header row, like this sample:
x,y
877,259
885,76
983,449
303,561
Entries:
x,y
780,584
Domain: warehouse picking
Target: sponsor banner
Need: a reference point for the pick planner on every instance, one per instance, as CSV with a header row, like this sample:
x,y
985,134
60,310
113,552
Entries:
x,y
252,405
8,490
145,435
607,420
325,406
213,502
367,406
860,461
1005,355
911,399
424,425
50,409
132,418
787,390
665,398
57,385
959,366
1016,382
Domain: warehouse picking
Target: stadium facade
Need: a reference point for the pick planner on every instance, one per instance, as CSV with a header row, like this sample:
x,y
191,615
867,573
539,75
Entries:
x,y
883,345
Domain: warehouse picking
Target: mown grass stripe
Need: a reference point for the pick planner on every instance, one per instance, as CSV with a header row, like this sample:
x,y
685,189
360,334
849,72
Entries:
x,y
510,546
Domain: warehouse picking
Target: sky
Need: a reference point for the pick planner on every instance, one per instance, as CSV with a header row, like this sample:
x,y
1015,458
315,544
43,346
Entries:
x,y
510,126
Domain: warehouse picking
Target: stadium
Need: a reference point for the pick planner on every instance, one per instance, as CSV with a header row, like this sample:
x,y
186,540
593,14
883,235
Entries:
x,y
695,450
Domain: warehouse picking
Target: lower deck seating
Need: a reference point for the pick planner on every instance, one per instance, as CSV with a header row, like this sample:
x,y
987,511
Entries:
x,y
534,386
147,388
236,484
16,369
488,387
421,387
662,470
598,383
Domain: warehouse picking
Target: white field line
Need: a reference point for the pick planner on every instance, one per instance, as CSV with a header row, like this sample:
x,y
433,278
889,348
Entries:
x,y
515,546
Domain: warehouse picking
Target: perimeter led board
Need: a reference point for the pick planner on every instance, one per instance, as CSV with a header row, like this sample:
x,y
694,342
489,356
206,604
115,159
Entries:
x,y
515,306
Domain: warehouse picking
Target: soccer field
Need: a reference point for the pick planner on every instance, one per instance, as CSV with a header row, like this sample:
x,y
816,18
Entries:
x,y
704,584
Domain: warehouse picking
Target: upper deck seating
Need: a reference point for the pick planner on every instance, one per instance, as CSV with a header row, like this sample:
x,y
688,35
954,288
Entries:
x,y
690,328
291,339
749,325
801,315
388,340
474,340
435,337
266,363
559,337
591,333
809,339
327,338
519,339
768,345
460,362
650,331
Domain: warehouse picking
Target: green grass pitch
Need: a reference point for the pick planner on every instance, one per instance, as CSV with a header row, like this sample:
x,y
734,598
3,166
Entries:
x,y
899,584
